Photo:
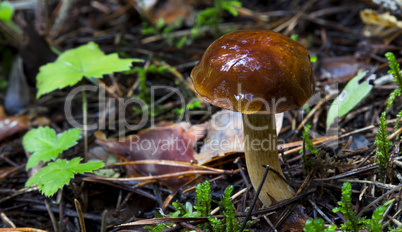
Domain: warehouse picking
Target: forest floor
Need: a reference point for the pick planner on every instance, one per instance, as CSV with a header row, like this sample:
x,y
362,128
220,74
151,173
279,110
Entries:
x,y
131,112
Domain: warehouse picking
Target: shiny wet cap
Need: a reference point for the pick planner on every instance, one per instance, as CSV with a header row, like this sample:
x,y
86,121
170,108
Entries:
x,y
255,71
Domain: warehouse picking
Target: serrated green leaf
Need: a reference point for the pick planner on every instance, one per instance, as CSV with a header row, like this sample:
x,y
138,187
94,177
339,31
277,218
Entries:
x,y
351,95
68,138
71,66
39,139
6,11
88,167
59,173
44,145
44,155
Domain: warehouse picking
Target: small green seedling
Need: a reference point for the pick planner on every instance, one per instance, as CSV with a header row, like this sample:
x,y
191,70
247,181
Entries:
x,y
395,71
383,143
350,96
317,225
353,223
306,138
75,64
161,28
294,37
142,75
202,208
313,59
213,16
308,146
229,222
45,146
189,106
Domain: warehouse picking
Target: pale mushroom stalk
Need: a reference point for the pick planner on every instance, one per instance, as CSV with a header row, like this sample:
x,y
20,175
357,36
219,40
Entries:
x,y
260,147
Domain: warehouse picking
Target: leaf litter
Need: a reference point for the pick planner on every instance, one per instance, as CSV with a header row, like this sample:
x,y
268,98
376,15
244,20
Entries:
x,y
332,31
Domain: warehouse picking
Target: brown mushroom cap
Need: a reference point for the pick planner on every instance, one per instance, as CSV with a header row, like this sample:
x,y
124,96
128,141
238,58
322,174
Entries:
x,y
253,71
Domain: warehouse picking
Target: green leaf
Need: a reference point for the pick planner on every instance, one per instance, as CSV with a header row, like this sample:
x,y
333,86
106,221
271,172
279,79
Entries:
x,y
39,139
71,66
6,11
394,68
59,173
68,138
160,23
44,145
313,59
383,143
351,95
317,225
294,37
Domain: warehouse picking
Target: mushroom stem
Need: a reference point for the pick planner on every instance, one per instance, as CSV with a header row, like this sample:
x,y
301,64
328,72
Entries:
x,y
260,146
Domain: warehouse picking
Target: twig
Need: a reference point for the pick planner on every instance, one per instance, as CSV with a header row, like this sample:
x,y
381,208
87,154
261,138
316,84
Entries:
x,y
378,199
320,211
80,216
243,175
19,192
255,198
216,210
270,223
280,204
349,173
396,133
24,229
311,113
51,215
104,221
168,163
187,32
61,17
6,220
159,177
379,185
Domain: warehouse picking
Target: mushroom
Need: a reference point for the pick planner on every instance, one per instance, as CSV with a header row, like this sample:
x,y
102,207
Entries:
x,y
258,73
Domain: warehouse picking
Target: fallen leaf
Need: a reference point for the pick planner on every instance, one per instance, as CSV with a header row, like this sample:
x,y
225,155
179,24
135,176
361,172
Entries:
x,y
295,221
380,25
340,67
12,125
225,135
369,16
166,141
169,11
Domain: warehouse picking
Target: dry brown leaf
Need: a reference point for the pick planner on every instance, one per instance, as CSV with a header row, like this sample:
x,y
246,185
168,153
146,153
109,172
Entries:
x,y
12,125
296,220
169,10
166,141
340,67
385,19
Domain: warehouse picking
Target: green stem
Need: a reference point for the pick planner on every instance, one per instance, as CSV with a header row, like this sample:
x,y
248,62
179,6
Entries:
x,y
85,123
15,29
